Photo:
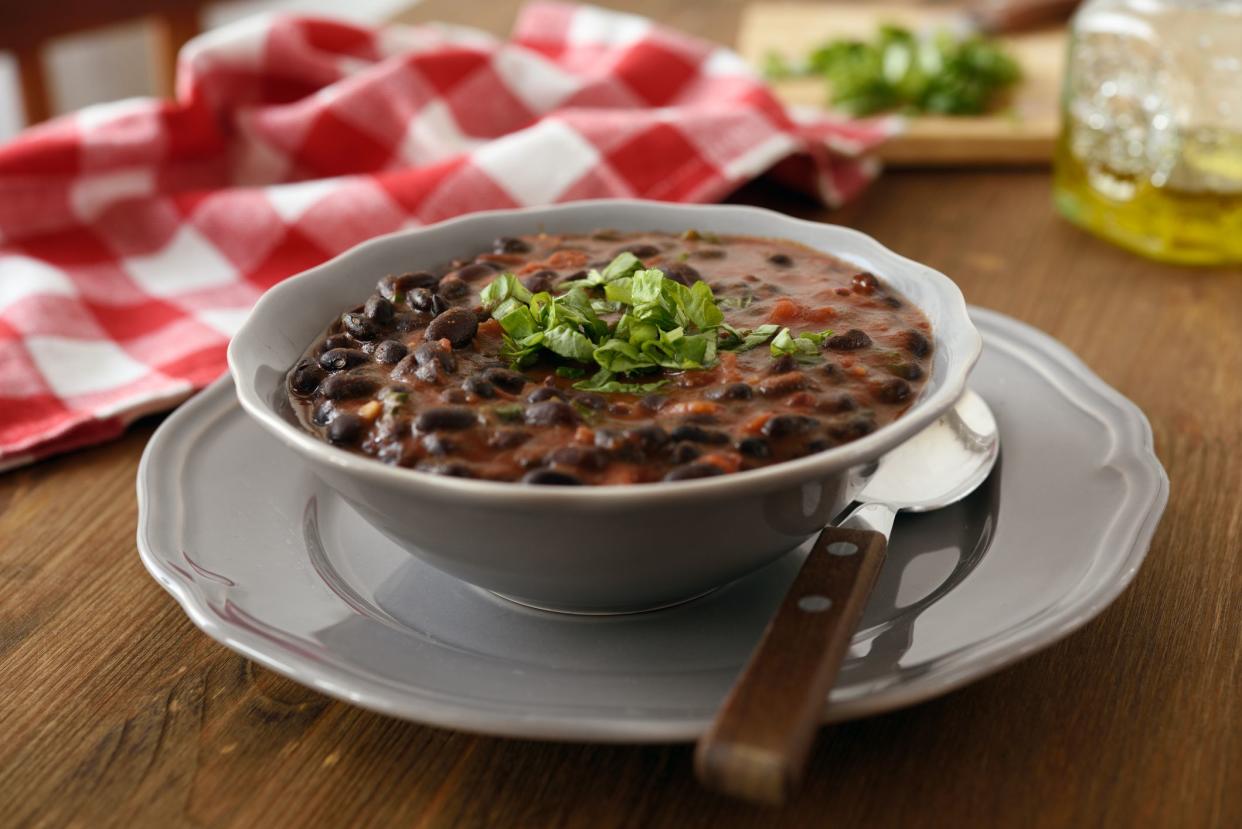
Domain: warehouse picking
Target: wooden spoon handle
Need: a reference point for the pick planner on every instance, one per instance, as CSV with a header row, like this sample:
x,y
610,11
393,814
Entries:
x,y
758,744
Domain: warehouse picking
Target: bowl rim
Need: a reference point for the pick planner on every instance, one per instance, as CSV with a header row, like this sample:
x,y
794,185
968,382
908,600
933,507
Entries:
x,y
818,465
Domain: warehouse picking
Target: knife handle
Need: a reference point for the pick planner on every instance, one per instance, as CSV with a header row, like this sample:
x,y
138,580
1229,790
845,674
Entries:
x,y
757,746
1001,16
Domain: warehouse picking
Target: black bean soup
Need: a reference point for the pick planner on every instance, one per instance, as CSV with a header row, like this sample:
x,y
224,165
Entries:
x,y
599,359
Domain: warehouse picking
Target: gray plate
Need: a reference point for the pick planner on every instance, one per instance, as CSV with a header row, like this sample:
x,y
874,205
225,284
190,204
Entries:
x,y
269,562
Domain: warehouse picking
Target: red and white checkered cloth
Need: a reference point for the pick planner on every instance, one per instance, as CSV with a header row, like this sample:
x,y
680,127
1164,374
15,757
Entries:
x,y
135,236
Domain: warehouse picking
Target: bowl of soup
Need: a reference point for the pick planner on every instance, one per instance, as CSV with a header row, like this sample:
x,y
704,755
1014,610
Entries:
x,y
604,406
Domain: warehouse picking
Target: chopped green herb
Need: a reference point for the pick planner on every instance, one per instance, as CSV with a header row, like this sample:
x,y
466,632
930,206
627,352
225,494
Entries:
x,y
737,303
570,371
804,346
663,324
604,381
624,265
943,73
734,340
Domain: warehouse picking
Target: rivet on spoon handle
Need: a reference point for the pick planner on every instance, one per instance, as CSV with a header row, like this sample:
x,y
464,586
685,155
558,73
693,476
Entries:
x,y
757,746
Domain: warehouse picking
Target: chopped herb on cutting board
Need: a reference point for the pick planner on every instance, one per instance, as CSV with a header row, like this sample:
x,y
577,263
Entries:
x,y
899,71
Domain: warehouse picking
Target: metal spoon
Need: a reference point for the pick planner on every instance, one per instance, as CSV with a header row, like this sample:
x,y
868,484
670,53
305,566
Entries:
x,y
758,744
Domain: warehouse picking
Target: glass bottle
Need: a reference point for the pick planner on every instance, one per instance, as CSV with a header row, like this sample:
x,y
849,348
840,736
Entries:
x,y
1150,152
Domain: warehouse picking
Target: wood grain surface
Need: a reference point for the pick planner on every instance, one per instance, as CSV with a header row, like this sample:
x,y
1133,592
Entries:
x,y
116,711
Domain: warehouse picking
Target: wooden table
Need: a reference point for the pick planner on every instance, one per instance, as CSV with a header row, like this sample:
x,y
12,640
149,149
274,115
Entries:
x,y
115,710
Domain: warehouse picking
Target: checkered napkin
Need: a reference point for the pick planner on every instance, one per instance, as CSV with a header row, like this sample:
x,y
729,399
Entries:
x,y
135,236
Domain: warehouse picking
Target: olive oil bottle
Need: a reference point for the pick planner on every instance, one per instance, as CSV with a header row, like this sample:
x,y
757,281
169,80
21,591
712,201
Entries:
x,y
1150,153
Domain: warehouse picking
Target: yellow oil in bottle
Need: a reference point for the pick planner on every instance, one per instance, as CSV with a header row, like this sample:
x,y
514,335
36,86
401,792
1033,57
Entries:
x,y
1164,223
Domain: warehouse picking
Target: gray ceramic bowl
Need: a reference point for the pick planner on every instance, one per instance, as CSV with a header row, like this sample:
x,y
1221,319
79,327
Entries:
x,y
589,549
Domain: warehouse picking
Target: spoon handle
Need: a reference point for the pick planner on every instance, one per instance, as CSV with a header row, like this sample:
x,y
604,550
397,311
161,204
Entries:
x,y
757,746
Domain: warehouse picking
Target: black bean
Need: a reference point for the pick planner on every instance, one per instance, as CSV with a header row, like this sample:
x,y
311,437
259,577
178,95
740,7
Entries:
x,y
406,322
693,470
779,385
345,428
574,276
409,367
445,417
405,368
451,469
591,400
639,249
323,413
439,305
733,391
788,424
390,286
420,299
892,302
685,452
816,445
337,341
359,326
507,438
453,287
783,364
504,379
540,281
438,444
916,343
840,403
681,272
305,378
851,340
339,359
781,260
433,352
378,309
476,271
551,413
479,387
653,402
457,325
854,428
583,457
551,477
545,393
649,437
892,391
510,244
907,371
754,447
390,351
347,387
865,283
697,434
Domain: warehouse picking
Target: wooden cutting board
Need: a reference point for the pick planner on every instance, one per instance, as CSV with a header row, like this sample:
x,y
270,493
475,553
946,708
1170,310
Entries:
x,y
1023,133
